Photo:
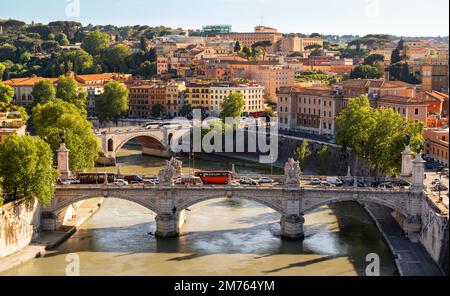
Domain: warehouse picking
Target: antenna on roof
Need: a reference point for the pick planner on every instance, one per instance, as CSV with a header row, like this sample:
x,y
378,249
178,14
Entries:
x,y
262,20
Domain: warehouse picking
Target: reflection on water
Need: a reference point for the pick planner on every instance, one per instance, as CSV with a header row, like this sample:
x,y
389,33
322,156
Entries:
x,y
220,237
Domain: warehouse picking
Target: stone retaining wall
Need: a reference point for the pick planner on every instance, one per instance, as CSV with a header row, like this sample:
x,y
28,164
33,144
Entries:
x,y
434,236
19,224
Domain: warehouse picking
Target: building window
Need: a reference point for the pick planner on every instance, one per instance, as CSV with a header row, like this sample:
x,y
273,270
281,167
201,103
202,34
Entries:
x,y
416,111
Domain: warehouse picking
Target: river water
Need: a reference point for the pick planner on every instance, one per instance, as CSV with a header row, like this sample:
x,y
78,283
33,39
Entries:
x,y
220,237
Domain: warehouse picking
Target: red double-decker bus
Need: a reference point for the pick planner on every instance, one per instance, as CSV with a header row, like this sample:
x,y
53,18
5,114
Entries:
x,y
215,177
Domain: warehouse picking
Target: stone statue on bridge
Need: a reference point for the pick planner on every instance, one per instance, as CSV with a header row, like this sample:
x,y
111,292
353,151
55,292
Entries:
x,y
177,165
167,174
171,170
292,173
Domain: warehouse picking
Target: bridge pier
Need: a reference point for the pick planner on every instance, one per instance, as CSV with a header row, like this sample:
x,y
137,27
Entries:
x,y
292,227
169,225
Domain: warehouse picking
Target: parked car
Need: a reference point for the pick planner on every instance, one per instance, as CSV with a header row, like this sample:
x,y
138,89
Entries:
x,y
429,166
151,181
326,184
335,181
235,183
352,182
402,183
265,180
248,181
440,187
120,182
314,181
133,179
386,185
435,181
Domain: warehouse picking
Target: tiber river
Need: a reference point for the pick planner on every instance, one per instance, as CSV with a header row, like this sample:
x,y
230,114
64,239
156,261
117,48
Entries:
x,y
220,237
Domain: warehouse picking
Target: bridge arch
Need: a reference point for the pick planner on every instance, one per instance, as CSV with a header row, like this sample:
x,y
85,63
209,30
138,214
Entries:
x,y
184,204
148,204
333,200
145,140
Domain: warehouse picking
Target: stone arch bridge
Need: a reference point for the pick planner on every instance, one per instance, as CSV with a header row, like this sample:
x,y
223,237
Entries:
x,y
155,141
170,202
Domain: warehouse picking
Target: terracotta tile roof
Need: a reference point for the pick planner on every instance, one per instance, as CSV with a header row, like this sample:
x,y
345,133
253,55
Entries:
x,y
402,100
325,90
363,83
396,84
434,95
28,81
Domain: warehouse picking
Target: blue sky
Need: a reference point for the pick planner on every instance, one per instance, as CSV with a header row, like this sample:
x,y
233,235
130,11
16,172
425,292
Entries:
x,y
398,17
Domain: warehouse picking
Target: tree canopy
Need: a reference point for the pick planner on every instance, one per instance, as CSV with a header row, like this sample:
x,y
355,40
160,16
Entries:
x,y
233,106
378,135
53,117
303,154
95,42
43,91
69,91
6,93
113,103
368,72
26,168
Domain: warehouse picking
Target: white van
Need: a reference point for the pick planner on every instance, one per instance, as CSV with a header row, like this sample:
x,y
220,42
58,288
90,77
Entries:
x,y
335,181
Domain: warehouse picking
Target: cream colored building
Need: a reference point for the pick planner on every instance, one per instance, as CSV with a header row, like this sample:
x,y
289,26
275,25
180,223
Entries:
x,y
175,97
261,34
298,44
253,96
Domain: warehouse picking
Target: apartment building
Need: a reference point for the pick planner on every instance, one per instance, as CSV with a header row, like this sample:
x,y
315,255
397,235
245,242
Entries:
x,y
433,73
175,97
436,144
143,96
272,77
308,109
253,97
198,96
412,108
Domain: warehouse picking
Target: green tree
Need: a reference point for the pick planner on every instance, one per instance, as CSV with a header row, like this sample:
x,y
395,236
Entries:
x,y
68,90
396,56
387,140
367,72
186,110
148,68
43,91
355,123
233,106
374,58
313,47
26,168
96,42
80,60
7,52
303,154
324,160
61,38
113,103
237,47
269,102
143,44
2,70
157,110
53,117
116,57
6,93
317,52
